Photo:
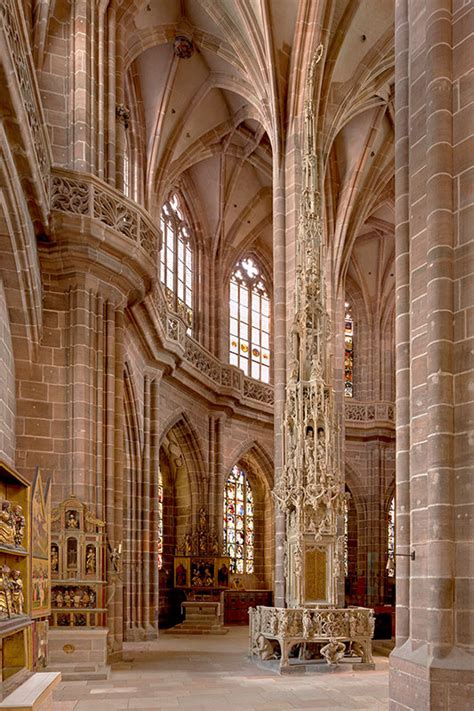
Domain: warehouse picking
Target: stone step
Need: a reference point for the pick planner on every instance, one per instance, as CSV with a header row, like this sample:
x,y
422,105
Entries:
x,y
383,647
81,672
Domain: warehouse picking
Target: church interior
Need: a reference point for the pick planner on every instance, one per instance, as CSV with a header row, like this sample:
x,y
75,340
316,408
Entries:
x,y
236,354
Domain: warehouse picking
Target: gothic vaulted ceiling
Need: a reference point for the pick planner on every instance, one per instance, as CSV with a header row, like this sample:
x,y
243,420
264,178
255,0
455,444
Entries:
x,y
215,120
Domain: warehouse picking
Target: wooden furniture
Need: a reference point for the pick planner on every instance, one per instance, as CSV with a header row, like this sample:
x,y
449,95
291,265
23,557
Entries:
x,y
78,593
36,693
238,602
15,605
77,566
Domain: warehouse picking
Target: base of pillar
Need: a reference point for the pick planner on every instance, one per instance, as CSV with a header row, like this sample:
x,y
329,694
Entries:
x,y
418,681
318,667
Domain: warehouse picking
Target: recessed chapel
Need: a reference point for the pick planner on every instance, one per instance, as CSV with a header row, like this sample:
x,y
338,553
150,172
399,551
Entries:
x,y
236,353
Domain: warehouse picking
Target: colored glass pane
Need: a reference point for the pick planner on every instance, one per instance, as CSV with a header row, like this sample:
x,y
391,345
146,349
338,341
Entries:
x,y
348,352
250,305
239,521
391,536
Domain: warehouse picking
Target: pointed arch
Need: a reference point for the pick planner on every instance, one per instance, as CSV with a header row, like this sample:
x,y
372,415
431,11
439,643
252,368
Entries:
x,y
251,459
249,319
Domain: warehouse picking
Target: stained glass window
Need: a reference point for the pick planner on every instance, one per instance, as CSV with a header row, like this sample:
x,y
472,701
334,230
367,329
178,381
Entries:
x,y
346,539
249,321
239,522
348,352
160,526
391,536
176,260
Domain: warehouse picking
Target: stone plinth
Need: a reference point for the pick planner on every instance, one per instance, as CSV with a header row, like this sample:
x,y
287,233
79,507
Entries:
x,y
79,653
36,693
327,636
201,618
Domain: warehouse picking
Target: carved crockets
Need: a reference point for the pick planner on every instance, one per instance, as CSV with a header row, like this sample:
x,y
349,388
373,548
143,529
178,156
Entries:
x,y
203,541
331,633
310,489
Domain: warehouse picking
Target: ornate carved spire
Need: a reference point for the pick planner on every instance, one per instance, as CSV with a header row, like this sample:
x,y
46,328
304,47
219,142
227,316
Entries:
x,y
310,489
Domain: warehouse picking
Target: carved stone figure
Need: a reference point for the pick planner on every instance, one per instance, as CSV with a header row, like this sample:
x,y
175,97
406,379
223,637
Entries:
x,y
267,648
7,528
19,524
72,521
333,651
54,559
77,598
307,623
17,597
5,592
188,544
59,599
90,560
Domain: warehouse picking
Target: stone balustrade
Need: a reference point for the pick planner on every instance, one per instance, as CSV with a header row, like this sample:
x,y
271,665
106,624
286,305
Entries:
x,y
84,194
363,413
230,379
335,633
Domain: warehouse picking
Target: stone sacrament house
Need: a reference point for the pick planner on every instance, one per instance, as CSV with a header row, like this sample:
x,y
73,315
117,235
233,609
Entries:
x,y
166,317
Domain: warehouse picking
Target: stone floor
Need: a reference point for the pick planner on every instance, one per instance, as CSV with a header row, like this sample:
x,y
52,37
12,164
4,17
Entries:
x,y
213,673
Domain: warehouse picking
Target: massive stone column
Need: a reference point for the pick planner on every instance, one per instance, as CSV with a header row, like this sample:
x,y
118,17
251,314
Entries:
x,y
432,665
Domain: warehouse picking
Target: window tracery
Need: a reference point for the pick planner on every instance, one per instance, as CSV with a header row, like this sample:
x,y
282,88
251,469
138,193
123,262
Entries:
x,y
126,172
176,260
348,351
239,522
249,322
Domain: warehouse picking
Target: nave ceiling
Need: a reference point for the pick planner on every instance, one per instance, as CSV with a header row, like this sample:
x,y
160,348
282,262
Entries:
x,y
219,124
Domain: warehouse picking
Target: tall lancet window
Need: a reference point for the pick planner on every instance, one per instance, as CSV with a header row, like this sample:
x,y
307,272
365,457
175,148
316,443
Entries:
x,y
239,522
126,172
249,325
348,351
176,260
391,536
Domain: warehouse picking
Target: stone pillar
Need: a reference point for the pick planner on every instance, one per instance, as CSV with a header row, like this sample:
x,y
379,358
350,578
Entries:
x,y
279,363
432,664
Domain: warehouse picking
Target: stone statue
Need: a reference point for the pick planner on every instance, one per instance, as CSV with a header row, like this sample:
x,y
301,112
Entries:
x,y
214,541
19,524
59,599
307,623
333,651
5,592
54,559
72,521
17,596
7,528
266,648
90,560
188,546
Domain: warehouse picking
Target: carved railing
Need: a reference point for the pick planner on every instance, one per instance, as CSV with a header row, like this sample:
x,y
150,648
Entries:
x,y
14,32
84,194
346,631
363,413
220,374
